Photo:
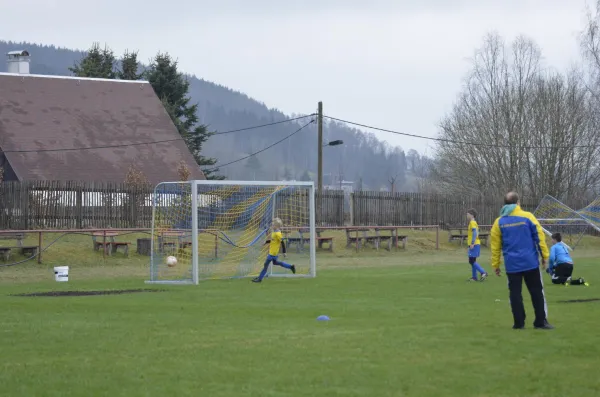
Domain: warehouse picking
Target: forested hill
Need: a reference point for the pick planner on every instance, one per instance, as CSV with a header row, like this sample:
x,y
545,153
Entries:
x,y
362,158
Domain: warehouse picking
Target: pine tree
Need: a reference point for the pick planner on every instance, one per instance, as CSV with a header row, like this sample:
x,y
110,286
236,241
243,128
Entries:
x,y
96,63
172,88
129,67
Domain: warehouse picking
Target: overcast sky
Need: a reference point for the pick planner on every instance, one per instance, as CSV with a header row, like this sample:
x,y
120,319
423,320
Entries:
x,y
397,64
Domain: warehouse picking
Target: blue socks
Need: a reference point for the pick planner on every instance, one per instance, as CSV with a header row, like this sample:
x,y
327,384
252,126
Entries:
x,y
476,267
479,268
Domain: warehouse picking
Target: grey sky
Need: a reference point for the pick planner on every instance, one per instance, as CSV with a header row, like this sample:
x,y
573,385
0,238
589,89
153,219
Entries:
x,y
396,64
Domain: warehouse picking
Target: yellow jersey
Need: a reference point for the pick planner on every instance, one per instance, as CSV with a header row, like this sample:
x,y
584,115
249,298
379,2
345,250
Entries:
x,y
275,243
473,227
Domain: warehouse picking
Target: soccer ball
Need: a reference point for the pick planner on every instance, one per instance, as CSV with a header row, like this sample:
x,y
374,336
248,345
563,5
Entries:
x,y
171,261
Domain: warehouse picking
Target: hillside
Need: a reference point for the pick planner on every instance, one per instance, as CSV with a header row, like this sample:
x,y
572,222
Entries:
x,y
362,157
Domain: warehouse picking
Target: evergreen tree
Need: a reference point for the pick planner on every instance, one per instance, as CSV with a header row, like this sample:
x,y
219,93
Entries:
x,y
172,88
96,63
129,67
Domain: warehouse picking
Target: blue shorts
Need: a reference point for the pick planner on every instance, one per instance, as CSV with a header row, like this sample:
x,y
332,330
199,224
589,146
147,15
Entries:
x,y
475,252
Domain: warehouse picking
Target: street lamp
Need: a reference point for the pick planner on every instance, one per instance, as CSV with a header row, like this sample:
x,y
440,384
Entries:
x,y
334,143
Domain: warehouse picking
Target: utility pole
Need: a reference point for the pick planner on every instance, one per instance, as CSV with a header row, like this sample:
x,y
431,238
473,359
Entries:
x,y
320,146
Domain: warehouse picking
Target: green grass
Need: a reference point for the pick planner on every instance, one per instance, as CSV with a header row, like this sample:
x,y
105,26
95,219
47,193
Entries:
x,y
403,324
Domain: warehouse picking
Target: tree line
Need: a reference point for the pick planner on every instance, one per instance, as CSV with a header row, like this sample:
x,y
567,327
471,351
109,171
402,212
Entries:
x,y
518,124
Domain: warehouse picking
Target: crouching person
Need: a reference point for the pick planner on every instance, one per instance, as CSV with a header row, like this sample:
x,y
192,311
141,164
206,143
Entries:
x,y
561,264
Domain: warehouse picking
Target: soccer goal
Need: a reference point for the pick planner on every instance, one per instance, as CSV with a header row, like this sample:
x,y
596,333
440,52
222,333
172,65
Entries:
x,y
219,229
555,216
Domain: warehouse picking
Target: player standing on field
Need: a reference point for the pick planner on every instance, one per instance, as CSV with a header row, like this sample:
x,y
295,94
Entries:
x,y
474,247
519,237
275,243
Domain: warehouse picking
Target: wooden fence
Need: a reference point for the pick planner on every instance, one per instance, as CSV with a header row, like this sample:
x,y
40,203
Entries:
x,y
80,205
384,208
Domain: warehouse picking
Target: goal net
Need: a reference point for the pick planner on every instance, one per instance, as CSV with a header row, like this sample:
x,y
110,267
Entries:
x,y
219,229
557,217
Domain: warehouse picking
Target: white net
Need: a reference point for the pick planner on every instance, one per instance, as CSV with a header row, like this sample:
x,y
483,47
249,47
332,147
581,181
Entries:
x,y
557,217
233,224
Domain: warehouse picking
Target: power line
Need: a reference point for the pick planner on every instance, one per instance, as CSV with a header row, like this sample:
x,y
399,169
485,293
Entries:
x,y
453,141
262,150
263,125
91,147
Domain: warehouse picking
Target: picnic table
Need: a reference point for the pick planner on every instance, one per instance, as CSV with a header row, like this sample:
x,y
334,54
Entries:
x,y
460,233
31,250
301,236
174,240
109,246
360,236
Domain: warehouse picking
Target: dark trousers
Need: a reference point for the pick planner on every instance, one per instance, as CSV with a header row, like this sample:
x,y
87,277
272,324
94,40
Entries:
x,y
533,281
562,272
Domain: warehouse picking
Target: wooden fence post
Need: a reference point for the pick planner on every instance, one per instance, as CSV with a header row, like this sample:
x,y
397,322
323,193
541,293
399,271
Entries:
x,y
40,243
351,204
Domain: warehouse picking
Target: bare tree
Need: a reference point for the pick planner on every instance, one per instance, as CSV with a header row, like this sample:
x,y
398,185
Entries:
x,y
392,181
515,127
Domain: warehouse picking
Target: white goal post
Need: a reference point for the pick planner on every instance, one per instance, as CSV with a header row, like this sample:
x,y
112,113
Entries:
x,y
219,229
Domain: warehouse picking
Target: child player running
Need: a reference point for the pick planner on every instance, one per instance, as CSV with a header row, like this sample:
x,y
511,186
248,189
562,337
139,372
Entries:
x,y
474,247
275,243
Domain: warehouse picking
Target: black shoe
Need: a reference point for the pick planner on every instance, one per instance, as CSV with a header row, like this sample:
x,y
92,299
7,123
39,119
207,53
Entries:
x,y
545,326
293,269
518,327
256,280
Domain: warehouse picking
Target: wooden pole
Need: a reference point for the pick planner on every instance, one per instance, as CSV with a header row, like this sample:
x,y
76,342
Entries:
x,y
216,246
40,242
320,146
319,160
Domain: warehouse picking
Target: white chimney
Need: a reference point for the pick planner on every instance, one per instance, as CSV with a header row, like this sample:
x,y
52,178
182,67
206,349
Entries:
x,y
18,62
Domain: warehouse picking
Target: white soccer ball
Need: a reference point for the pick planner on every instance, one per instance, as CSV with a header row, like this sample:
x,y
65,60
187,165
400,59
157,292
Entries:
x,y
171,261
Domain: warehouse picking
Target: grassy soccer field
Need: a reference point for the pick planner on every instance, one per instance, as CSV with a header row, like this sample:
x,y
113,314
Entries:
x,y
402,324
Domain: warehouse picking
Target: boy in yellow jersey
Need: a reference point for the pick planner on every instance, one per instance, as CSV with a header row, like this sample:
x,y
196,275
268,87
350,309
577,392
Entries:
x,y
275,243
474,247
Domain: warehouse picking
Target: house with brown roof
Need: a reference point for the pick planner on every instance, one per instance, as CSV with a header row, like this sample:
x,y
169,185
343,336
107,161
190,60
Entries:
x,y
83,129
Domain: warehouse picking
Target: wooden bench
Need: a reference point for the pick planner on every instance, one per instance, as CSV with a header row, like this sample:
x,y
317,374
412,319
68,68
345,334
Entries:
x,y
301,240
173,246
19,237
29,251
117,244
108,243
376,240
14,236
173,240
456,233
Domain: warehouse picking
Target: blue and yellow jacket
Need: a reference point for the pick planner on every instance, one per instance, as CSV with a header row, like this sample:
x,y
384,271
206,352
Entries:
x,y
520,238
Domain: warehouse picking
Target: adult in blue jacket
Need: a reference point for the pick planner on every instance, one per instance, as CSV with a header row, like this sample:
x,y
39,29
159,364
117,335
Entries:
x,y
560,266
518,236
